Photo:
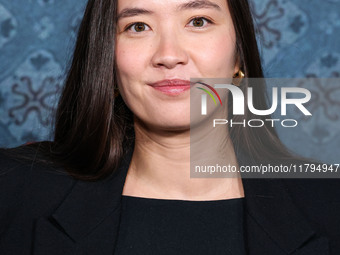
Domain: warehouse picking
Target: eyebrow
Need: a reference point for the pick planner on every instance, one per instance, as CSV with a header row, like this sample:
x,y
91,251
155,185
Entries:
x,y
130,12
197,4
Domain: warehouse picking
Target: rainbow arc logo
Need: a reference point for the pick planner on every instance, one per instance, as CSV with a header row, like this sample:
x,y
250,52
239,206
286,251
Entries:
x,y
204,96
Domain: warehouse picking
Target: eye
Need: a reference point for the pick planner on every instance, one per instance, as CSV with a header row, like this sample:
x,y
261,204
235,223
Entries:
x,y
200,22
138,27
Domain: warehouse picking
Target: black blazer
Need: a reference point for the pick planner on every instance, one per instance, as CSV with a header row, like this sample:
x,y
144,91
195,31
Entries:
x,y
43,211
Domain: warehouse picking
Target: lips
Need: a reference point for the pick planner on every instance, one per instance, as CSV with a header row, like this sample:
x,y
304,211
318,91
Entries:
x,y
172,87
171,83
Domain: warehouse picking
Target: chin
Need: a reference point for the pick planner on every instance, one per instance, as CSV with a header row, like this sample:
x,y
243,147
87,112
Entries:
x,y
177,128
170,126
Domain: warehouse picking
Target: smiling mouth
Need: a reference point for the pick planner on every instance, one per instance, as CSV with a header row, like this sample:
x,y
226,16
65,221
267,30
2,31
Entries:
x,y
172,87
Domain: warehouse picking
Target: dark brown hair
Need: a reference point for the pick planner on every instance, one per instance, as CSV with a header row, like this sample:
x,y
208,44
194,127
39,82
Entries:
x,y
93,129
258,143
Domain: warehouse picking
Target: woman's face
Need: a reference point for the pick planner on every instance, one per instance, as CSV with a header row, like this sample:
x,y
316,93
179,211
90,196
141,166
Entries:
x,y
160,45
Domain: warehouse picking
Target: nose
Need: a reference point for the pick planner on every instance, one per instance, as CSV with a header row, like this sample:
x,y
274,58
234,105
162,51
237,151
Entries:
x,y
169,52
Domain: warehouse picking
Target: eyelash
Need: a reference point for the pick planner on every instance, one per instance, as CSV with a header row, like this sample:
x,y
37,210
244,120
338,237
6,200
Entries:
x,y
209,21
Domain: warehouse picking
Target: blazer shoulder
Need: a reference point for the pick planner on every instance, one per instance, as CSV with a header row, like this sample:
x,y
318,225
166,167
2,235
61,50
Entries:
x,y
30,182
12,182
319,202
314,189
15,169
22,163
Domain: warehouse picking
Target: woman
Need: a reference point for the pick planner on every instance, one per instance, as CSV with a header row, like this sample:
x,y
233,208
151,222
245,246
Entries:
x,y
116,177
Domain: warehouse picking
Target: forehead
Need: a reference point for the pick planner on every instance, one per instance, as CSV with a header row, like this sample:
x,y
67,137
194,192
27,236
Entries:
x,y
165,6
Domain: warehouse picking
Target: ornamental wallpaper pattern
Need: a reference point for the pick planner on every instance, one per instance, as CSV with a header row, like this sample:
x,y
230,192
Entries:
x,y
297,38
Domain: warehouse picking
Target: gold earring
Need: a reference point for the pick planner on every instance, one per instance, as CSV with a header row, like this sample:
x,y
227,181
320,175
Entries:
x,y
237,79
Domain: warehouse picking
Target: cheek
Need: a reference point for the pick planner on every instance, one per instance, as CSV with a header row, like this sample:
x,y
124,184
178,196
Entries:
x,y
130,64
130,60
218,57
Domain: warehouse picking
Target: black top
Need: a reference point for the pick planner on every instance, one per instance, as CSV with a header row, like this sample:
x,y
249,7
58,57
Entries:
x,y
43,210
162,226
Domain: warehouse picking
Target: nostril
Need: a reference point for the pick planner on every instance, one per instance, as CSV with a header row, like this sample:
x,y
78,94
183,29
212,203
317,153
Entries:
x,y
170,61
169,54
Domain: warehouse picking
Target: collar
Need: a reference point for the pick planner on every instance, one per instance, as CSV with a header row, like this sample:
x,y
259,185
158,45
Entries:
x,y
89,203
267,202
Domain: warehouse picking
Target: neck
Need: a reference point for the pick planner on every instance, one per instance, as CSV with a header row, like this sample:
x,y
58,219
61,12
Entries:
x,y
160,166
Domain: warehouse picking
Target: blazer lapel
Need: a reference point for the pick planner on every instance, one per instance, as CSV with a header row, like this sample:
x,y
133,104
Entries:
x,y
90,212
273,223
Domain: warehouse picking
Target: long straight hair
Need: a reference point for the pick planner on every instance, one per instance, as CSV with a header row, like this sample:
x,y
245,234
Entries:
x,y
93,129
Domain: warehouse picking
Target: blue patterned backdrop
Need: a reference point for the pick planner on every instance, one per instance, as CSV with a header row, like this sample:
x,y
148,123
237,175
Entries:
x,y
297,39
